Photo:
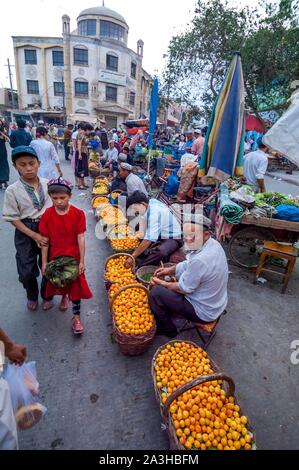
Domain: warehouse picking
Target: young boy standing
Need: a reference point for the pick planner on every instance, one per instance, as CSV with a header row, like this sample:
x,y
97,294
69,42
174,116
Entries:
x,y
25,202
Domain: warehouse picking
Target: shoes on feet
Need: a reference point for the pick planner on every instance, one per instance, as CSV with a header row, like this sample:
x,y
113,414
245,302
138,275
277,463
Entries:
x,y
64,304
77,327
32,305
47,305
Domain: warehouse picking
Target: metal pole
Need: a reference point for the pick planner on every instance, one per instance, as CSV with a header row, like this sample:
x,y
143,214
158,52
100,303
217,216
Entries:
x,y
11,87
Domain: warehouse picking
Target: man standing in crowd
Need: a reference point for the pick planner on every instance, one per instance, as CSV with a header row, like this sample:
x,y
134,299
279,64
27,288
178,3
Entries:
x,y
67,140
198,145
189,142
255,167
20,136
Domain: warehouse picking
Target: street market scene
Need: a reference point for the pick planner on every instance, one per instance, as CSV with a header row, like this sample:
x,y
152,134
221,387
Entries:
x,y
150,229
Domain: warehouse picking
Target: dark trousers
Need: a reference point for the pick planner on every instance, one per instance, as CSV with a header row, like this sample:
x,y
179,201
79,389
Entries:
x,y
28,258
67,149
160,252
165,304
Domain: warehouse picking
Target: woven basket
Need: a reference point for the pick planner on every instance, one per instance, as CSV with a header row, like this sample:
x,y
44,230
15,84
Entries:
x,y
98,197
94,172
128,344
102,180
109,283
228,386
145,270
111,236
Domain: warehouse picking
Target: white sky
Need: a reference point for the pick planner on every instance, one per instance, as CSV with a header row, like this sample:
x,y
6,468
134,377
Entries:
x,y
154,21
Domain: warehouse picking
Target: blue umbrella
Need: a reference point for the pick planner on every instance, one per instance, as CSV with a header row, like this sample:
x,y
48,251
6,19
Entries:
x,y
153,117
224,146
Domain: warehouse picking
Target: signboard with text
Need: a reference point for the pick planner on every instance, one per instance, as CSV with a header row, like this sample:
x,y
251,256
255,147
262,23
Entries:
x,y
112,78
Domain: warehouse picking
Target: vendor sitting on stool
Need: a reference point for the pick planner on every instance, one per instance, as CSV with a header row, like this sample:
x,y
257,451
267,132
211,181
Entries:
x,y
159,229
200,292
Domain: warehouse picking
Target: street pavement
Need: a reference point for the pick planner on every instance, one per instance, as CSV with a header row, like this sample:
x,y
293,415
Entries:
x,y
283,183
99,399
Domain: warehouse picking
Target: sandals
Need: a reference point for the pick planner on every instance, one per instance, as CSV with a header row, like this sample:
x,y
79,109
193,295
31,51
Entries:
x,y
32,305
47,305
64,304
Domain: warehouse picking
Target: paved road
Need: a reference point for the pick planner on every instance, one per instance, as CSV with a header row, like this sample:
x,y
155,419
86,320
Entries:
x,y
281,186
99,399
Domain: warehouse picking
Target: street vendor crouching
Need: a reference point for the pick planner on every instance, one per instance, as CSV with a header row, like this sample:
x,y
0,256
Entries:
x,y
199,293
158,228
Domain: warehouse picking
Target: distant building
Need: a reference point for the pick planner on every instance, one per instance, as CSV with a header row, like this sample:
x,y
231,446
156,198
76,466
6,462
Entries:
x,y
172,116
8,100
90,73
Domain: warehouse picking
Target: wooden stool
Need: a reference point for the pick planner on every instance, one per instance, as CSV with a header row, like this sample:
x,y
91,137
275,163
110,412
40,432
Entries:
x,y
206,332
278,250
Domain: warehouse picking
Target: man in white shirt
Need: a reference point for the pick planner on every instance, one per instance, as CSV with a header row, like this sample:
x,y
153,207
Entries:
x,y
255,167
159,229
133,182
197,147
200,291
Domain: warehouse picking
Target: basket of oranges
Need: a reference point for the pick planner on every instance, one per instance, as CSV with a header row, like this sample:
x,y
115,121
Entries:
x,y
122,239
99,202
117,273
197,402
134,325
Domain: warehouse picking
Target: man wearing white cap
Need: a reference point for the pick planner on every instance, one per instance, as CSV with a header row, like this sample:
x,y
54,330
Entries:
x,y
198,145
133,182
111,157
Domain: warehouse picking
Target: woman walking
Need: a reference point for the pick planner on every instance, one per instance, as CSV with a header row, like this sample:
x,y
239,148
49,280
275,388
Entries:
x,y
4,167
47,155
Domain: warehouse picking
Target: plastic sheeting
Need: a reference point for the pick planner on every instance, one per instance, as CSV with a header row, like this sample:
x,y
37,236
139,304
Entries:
x,y
283,137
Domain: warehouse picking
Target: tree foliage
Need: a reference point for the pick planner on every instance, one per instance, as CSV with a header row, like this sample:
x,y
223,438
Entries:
x,y
267,37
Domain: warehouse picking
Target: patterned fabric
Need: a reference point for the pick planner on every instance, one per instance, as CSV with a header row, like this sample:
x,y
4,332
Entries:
x,y
38,201
60,182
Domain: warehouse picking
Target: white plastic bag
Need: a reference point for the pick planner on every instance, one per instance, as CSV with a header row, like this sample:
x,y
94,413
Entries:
x,y
24,389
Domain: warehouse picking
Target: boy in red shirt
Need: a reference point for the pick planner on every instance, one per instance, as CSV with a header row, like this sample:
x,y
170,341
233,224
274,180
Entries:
x,y
64,226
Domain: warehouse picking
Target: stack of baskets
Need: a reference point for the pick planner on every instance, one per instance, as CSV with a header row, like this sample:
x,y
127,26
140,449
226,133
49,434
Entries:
x,y
197,402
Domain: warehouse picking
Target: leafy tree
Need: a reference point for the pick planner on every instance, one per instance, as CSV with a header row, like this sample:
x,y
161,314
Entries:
x,y
267,38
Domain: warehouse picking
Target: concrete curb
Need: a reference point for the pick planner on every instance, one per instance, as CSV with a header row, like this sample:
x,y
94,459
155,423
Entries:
x,y
286,180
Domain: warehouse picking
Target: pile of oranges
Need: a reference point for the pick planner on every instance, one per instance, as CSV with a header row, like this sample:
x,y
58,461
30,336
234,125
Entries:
x,y
132,313
100,189
124,244
111,215
204,417
99,202
116,271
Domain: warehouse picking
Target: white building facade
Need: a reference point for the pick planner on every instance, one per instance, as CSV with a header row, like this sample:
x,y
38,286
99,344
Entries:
x,y
90,73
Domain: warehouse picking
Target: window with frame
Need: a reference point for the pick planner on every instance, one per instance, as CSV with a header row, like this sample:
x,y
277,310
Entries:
x,y
87,28
80,56
112,30
81,88
32,87
111,93
58,59
132,98
58,88
133,69
30,56
112,62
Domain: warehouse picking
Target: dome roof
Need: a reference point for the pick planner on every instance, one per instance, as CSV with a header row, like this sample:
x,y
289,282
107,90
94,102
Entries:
x,y
103,11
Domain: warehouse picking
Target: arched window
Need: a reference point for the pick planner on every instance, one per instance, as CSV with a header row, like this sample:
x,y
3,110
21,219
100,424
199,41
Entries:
x,y
112,30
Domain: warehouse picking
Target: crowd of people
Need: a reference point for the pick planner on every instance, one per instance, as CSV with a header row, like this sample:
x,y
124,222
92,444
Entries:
x,y
47,225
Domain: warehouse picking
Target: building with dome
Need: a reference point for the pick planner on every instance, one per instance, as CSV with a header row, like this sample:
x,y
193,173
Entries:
x,y
88,74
